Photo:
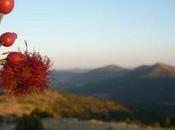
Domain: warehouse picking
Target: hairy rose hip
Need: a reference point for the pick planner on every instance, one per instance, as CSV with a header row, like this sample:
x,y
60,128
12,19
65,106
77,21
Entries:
x,y
21,73
29,76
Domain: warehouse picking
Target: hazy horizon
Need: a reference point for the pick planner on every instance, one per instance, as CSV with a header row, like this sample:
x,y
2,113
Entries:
x,y
96,67
94,33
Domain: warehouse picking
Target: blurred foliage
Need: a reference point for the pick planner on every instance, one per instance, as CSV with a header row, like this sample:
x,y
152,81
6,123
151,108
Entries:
x,y
29,123
41,114
54,103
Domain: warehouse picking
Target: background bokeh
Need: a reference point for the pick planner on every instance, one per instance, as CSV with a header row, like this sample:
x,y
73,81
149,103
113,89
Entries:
x,y
93,33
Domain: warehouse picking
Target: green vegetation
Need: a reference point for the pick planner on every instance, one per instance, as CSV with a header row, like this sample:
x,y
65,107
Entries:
x,y
29,123
40,113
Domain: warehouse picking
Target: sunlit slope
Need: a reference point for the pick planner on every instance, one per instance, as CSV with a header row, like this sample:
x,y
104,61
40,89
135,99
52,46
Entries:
x,y
57,103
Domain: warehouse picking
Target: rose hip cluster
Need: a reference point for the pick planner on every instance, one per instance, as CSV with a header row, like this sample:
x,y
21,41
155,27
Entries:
x,y
25,73
21,73
7,39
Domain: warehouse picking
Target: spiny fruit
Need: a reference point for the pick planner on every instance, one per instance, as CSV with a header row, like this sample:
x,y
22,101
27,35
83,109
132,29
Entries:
x,y
18,78
7,39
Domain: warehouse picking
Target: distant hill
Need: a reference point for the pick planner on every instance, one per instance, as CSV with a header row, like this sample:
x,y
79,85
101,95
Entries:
x,y
68,79
149,84
155,71
105,73
75,70
154,83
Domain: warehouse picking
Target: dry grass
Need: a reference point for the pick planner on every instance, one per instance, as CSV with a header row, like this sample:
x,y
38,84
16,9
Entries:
x,y
56,103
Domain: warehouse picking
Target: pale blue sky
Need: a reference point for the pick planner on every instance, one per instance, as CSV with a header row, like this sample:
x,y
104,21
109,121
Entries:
x,y
92,33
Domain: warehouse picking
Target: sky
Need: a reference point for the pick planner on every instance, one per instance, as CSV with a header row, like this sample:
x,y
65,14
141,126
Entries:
x,y
93,33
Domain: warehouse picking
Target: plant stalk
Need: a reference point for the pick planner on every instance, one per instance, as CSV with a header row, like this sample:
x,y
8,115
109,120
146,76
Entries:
x,y
1,16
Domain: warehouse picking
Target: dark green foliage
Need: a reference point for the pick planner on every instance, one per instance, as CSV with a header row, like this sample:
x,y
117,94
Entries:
x,y
40,113
29,123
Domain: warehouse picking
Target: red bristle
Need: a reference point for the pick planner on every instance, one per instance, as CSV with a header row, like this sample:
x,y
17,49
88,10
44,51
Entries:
x,y
28,77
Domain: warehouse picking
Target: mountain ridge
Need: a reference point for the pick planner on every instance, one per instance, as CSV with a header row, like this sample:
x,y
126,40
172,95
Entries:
x,y
66,80
132,86
108,72
156,70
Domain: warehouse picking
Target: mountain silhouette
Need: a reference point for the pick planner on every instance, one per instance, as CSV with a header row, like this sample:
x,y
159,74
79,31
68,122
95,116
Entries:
x,y
146,83
68,80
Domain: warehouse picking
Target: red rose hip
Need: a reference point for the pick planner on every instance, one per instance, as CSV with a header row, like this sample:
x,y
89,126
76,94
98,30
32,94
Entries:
x,y
7,39
15,58
6,6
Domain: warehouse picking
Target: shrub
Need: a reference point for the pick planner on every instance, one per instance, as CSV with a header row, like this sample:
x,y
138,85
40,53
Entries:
x,y
40,113
29,123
